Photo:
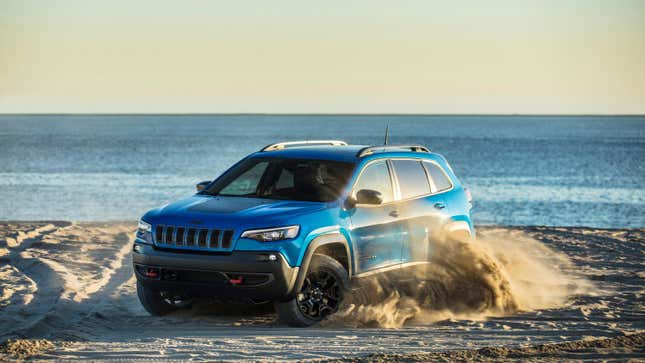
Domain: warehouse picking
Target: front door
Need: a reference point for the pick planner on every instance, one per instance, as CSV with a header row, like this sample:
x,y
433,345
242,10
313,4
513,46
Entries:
x,y
374,228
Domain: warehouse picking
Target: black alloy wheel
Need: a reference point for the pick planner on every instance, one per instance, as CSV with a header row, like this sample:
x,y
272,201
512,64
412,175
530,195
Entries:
x,y
320,295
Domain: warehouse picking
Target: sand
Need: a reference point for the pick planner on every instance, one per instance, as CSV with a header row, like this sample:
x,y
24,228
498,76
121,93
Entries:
x,y
67,293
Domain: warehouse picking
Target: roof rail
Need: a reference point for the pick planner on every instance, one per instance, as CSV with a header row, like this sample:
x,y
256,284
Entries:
x,y
288,144
372,149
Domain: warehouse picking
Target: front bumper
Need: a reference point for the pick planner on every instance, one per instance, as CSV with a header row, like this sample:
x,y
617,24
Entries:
x,y
238,275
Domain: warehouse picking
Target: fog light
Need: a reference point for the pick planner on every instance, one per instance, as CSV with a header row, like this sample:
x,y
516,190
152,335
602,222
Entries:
x,y
266,257
137,248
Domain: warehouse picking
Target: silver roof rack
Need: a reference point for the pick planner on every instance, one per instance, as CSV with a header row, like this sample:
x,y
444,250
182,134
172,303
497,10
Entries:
x,y
372,149
288,144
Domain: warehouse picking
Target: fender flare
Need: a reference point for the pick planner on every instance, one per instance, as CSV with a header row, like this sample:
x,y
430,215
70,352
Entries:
x,y
325,239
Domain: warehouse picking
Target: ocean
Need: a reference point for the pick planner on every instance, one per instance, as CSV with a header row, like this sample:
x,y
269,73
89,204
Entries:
x,y
522,170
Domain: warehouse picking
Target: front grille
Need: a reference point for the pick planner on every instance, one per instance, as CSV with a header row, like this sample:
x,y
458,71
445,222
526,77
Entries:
x,y
193,238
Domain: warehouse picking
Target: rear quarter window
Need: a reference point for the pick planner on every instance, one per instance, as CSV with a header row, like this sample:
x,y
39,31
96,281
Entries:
x,y
438,176
413,181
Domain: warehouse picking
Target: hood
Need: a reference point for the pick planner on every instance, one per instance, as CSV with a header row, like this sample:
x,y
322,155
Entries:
x,y
220,211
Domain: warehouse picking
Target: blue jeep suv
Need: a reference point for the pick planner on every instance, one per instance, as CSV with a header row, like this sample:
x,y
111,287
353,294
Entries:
x,y
298,223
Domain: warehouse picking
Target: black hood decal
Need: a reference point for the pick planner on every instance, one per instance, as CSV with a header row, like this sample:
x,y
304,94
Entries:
x,y
227,204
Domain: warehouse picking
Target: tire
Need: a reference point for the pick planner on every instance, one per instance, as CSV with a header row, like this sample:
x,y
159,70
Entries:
x,y
152,301
326,282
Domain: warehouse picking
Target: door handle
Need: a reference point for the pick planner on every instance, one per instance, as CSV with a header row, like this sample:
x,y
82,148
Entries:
x,y
394,213
440,205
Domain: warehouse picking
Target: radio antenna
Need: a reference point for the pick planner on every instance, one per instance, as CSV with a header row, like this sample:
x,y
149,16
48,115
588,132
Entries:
x,y
387,133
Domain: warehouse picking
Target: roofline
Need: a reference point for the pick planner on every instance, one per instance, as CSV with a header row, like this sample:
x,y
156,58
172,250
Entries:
x,y
369,150
289,144
337,147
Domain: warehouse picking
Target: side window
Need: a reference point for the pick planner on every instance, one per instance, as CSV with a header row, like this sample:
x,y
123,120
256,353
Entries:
x,y
247,183
413,181
439,178
376,177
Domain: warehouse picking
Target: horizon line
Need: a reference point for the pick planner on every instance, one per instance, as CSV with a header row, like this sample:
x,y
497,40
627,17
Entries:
x,y
312,114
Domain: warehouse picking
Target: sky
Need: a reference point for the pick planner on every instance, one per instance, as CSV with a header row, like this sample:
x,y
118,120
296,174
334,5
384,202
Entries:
x,y
332,56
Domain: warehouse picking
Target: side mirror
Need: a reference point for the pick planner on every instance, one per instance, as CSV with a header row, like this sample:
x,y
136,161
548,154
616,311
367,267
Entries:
x,y
368,196
202,185
350,203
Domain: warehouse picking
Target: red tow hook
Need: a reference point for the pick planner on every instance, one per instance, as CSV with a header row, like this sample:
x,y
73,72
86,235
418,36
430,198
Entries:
x,y
152,272
236,281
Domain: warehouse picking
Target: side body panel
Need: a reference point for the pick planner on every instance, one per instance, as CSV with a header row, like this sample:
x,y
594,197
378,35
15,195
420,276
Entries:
x,y
420,219
376,236
417,221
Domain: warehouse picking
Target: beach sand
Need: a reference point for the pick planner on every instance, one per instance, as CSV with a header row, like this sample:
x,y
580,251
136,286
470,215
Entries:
x,y
68,292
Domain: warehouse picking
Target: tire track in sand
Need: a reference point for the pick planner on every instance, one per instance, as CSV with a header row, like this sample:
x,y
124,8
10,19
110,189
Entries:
x,y
45,285
71,288
15,287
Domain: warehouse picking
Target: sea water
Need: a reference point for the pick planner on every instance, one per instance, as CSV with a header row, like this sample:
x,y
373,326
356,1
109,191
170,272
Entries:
x,y
522,170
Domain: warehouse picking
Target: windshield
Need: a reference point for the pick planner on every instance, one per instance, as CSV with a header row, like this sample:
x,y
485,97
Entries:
x,y
287,179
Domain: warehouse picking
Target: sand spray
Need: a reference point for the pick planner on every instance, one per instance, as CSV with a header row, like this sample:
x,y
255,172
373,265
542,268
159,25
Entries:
x,y
500,272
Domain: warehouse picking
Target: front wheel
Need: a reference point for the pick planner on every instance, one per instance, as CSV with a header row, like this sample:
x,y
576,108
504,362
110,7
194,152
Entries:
x,y
320,295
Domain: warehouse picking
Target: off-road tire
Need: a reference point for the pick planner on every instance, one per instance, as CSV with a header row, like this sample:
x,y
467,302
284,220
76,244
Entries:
x,y
289,311
152,301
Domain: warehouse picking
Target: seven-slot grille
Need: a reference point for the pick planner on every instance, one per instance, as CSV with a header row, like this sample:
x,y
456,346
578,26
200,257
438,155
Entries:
x,y
191,237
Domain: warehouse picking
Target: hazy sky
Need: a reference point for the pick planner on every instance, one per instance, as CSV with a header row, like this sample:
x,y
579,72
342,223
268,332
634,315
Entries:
x,y
323,56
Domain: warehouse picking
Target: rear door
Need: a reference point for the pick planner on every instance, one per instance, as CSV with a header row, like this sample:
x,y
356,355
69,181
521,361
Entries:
x,y
374,229
441,186
418,216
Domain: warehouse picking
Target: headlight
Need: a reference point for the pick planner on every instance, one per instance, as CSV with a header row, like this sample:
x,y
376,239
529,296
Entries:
x,y
144,227
272,234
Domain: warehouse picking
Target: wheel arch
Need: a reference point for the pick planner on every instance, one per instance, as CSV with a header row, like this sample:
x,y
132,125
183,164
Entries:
x,y
331,241
459,226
